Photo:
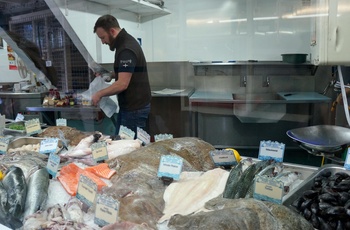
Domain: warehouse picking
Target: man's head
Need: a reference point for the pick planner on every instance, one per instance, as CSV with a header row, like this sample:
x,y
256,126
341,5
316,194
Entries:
x,y
107,29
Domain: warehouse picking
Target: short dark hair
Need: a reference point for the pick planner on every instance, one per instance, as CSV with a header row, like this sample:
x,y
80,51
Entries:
x,y
106,22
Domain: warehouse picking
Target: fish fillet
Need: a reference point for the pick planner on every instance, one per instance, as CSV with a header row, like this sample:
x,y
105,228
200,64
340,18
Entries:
x,y
189,196
101,170
121,147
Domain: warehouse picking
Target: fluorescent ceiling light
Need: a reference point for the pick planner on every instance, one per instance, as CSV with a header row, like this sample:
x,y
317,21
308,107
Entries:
x,y
233,20
265,18
304,16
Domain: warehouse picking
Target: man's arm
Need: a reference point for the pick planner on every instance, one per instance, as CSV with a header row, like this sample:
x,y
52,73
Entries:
x,y
119,86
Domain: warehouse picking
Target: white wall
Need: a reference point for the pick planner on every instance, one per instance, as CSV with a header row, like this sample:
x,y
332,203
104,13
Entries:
x,y
195,30
201,30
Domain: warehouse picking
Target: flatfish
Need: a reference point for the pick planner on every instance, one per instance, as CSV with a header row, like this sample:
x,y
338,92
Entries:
x,y
136,184
189,196
241,214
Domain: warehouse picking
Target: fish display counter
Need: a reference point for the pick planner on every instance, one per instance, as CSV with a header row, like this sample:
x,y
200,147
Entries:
x,y
128,177
323,198
51,113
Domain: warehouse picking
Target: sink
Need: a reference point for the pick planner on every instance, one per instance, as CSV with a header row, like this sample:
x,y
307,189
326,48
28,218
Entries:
x,y
258,97
259,107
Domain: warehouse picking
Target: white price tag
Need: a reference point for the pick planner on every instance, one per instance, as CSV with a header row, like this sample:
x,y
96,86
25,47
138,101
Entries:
x,y
61,122
347,160
223,157
19,117
106,211
271,150
4,142
33,126
161,137
87,190
170,166
99,151
53,164
143,136
127,133
48,145
269,189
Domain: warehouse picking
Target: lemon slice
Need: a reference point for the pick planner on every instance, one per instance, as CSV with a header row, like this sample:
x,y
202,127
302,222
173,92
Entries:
x,y
1,175
235,152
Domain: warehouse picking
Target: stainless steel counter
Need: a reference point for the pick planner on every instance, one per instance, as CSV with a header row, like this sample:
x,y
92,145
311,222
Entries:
x,y
10,94
14,103
274,98
76,112
74,108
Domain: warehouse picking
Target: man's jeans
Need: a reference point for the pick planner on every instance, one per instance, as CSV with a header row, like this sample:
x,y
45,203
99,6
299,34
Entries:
x,y
134,119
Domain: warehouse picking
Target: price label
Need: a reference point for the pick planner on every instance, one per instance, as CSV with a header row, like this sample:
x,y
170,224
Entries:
x,y
61,122
127,133
87,190
161,137
107,210
19,117
99,151
48,145
271,150
4,142
223,157
269,189
53,164
2,124
33,126
170,166
143,136
347,160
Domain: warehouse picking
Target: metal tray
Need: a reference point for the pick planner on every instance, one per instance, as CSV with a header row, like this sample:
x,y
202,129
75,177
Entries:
x,y
327,138
9,123
7,127
307,183
19,142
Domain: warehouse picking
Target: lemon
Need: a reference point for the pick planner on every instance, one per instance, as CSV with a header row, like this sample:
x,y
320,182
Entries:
x,y
1,175
235,152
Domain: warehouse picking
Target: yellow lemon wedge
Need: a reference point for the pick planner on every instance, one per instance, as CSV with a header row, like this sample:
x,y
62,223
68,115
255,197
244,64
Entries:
x,y
235,152
1,175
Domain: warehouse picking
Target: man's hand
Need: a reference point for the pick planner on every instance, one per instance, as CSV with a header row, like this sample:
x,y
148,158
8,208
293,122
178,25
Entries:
x,y
96,98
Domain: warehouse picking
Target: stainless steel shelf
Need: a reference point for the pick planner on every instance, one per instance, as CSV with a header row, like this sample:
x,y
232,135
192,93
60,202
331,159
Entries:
x,y
140,7
249,63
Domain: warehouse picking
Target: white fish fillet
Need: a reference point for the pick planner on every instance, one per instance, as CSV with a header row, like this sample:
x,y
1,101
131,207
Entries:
x,y
189,195
83,148
121,147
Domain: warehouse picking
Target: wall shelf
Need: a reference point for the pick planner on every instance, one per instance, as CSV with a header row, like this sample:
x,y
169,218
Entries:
x,y
225,68
139,7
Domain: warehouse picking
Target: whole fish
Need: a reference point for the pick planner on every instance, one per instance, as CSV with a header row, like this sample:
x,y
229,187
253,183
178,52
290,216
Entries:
x,y
5,218
38,186
233,178
248,176
15,185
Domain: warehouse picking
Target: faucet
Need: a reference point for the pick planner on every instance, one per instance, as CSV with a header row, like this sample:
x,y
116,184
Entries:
x,y
266,82
243,81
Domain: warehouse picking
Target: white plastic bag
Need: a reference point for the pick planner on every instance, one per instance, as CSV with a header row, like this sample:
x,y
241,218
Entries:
x,y
109,105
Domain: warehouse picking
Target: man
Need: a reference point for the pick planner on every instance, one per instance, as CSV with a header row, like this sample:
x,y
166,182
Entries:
x,y
131,77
